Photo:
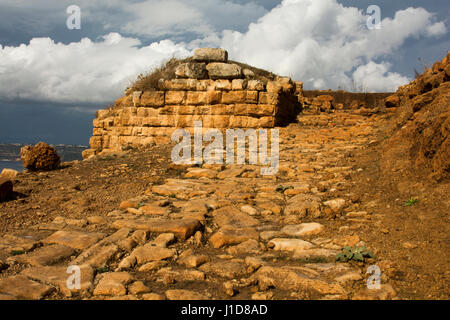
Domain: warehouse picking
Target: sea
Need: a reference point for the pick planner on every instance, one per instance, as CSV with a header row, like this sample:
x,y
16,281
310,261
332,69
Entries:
x,y
10,154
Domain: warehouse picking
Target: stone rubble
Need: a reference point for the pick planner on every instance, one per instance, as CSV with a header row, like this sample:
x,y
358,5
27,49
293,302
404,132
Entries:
x,y
213,232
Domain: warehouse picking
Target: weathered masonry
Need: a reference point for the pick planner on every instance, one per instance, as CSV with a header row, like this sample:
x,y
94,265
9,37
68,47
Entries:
x,y
209,89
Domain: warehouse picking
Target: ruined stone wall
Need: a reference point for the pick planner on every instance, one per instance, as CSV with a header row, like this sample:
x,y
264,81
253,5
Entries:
x,y
148,117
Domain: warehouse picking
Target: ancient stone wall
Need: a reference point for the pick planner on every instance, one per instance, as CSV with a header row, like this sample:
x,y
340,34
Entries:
x,y
225,98
316,101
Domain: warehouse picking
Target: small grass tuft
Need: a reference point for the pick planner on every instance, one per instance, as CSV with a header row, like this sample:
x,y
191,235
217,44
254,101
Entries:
x,y
282,188
103,269
17,252
358,254
140,204
411,202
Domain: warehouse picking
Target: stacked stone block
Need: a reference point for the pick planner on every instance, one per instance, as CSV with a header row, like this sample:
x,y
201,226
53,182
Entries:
x,y
231,101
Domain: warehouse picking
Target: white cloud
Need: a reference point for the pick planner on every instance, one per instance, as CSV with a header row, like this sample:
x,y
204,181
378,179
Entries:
x,y
322,42
200,17
84,71
437,29
375,77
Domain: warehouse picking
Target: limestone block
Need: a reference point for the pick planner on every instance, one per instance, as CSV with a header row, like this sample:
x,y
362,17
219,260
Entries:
x,y
183,121
195,98
222,85
239,84
136,131
159,121
124,101
268,98
204,85
152,99
266,122
248,73
98,131
211,55
124,131
97,123
203,110
240,97
169,109
240,110
262,110
185,110
95,142
218,70
221,121
254,110
175,97
108,122
233,97
213,97
135,121
275,86
101,114
251,97
222,109
256,85
180,84
136,97
243,122
193,70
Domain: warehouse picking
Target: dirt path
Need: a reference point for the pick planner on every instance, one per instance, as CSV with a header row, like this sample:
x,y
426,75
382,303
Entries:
x,y
226,232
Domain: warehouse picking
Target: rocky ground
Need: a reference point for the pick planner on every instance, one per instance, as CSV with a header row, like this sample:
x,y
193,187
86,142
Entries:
x,y
140,227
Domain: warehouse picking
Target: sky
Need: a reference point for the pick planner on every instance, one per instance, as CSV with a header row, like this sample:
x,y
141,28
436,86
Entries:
x,y
53,78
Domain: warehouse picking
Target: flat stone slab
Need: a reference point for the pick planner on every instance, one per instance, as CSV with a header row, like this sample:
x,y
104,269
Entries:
x,y
233,217
44,256
225,269
210,55
97,256
191,70
285,244
149,253
113,284
314,254
183,228
74,239
231,236
184,295
16,243
289,279
21,287
201,173
219,70
304,229
59,276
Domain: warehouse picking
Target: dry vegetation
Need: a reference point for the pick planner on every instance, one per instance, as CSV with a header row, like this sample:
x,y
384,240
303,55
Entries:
x,y
166,71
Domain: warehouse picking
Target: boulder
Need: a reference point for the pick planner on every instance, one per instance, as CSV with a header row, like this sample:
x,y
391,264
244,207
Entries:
x,y
219,70
6,189
191,70
9,173
211,55
40,157
392,101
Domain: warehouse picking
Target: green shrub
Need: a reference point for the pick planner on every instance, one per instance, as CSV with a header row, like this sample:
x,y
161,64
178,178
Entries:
x,y
358,254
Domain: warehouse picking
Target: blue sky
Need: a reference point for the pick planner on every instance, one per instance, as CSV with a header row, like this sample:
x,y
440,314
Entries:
x,y
52,79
